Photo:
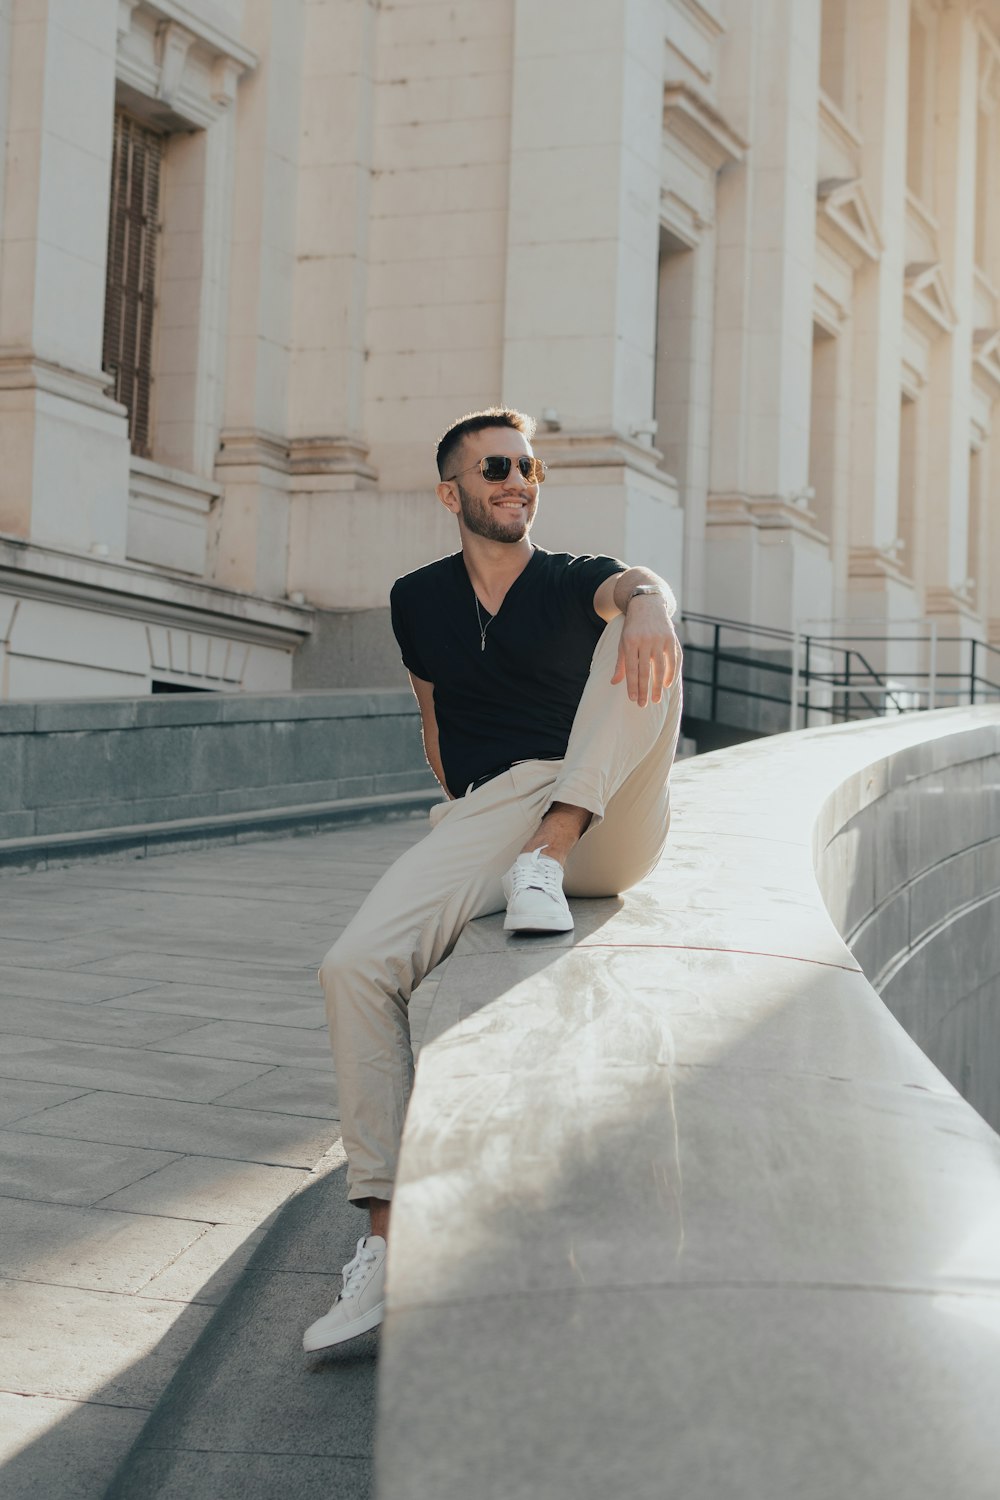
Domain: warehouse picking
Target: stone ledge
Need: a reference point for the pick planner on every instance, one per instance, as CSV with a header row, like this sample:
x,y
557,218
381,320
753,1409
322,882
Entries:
x,y
142,841
679,1187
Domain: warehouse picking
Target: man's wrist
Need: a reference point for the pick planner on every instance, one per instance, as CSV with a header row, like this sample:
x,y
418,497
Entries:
x,y
645,591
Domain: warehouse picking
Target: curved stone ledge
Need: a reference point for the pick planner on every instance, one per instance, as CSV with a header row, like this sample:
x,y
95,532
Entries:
x,y
683,1209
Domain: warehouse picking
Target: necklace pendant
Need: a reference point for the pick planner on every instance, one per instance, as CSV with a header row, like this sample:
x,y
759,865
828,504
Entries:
x,y
482,641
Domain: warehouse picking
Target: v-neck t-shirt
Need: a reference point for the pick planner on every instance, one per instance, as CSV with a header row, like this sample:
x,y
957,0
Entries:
x,y
514,697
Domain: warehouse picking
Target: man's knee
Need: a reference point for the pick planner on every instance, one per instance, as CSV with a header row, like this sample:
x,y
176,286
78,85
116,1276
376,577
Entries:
x,y
355,973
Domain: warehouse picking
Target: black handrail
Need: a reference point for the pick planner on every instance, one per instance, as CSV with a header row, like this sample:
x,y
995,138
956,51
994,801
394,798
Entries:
x,y
864,692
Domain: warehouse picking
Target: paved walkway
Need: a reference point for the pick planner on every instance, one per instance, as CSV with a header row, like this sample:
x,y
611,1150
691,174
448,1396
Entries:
x,y
165,1086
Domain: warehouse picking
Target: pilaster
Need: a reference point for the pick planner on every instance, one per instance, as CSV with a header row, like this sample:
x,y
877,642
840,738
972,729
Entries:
x,y
581,276
251,538
951,372
59,434
765,559
328,451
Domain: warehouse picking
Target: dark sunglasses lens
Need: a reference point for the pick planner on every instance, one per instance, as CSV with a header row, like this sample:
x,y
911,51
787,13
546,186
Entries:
x,y
495,469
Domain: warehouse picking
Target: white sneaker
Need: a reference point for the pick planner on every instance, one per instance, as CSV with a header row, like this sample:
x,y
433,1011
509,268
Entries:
x,y
360,1304
535,900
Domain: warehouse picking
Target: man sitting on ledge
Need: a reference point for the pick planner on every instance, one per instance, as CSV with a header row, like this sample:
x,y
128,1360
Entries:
x,y
556,778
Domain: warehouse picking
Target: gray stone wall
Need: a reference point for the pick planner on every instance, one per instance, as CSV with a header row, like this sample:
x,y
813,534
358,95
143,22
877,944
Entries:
x,y
912,878
80,766
349,648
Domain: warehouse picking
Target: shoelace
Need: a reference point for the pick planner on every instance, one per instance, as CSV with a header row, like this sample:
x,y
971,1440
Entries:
x,y
362,1257
543,874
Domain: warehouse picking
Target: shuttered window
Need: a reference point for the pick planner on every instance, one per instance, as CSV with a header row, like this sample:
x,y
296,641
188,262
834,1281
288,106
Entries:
x,y
130,292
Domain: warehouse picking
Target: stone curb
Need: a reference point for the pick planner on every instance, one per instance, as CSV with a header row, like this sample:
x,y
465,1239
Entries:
x,y
246,1371
142,841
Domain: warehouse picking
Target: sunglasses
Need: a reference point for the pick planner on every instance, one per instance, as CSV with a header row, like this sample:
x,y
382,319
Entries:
x,y
496,467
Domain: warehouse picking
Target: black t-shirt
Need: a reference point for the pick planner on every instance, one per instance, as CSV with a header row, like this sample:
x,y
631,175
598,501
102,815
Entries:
x,y
516,698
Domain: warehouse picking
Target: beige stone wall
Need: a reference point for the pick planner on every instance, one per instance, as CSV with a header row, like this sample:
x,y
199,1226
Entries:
x,y
740,257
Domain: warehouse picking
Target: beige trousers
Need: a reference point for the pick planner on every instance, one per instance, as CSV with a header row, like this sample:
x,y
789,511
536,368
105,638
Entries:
x,y
617,764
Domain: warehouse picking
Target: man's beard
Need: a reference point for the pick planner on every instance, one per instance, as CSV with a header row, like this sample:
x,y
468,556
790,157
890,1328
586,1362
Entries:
x,y
478,517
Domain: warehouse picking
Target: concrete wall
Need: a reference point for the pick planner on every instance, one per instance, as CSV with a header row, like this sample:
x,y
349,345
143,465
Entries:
x,y
723,1227
912,878
68,767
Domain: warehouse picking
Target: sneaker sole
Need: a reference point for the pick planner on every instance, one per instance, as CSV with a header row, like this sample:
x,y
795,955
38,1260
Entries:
x,y
536,924
364,1324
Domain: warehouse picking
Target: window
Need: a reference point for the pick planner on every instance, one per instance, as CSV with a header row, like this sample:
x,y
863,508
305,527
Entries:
x,y
131,281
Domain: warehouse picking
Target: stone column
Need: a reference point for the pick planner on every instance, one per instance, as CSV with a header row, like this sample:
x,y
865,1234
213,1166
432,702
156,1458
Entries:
x,y
950,385
766,562
684,393
253,450
582,263
64,453
328,448
877,587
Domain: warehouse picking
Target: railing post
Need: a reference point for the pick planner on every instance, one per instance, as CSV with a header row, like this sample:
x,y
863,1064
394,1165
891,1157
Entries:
x,y
805,673
847,683
972,672
932,668
715,673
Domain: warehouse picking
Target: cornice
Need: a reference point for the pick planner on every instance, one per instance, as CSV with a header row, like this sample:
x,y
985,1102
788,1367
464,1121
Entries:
x,y
926,293
154,59
697,124
145,593
986,359
764,513
592,449
845,220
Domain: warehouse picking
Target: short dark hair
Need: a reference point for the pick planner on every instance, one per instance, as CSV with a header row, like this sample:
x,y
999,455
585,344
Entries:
x,y
476,421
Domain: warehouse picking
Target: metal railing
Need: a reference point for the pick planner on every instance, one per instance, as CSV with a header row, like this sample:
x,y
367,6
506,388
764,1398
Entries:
x,y
813,676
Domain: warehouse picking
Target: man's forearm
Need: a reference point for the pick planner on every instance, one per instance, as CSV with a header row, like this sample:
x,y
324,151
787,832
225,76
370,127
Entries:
x,y
626,582
433,755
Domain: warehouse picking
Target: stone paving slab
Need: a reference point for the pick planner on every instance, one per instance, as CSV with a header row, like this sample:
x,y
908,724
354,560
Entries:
x,y
216,1003
89,1248
63,1171
63,1448
165,1085
19,1098
297,1091
247,1134
295,1046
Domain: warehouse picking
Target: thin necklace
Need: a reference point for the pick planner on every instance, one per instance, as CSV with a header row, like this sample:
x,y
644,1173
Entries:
x,y
482,628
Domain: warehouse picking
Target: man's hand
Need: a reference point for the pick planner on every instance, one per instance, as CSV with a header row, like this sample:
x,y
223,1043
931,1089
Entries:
x,y
649,653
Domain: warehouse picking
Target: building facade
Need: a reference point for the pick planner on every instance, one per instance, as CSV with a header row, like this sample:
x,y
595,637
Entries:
x,y
740,257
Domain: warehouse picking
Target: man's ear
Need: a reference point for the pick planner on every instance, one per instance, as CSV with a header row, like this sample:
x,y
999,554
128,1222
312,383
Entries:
x,y
446,493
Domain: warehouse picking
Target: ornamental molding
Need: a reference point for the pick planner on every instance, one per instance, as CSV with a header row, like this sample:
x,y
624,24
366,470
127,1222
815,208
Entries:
x,y
683,221
143,592
303,456
986,358
926,293
588,449
989,63
765,513
704,16
880,562
696,123
845,220
183,70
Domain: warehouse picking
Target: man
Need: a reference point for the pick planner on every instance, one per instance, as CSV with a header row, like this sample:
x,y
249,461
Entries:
x,y
549,694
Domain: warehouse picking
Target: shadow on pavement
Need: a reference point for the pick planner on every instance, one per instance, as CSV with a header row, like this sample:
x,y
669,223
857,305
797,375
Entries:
x,y
245,1414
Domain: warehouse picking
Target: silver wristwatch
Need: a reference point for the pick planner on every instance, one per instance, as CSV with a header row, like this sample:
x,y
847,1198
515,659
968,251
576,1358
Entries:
x,y
644,588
